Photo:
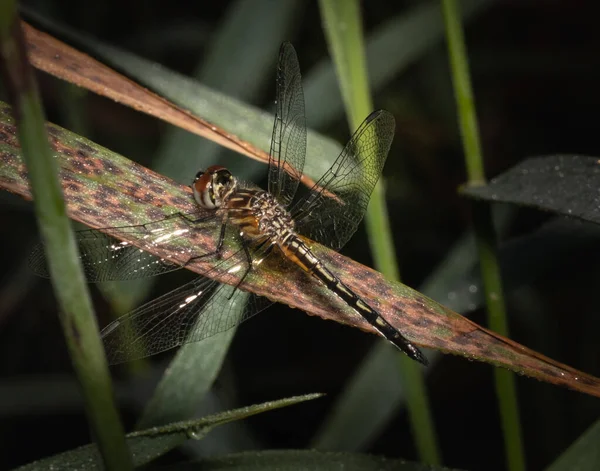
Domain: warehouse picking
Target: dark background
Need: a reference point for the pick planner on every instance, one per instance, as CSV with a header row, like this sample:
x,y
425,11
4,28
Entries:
x,y
535,70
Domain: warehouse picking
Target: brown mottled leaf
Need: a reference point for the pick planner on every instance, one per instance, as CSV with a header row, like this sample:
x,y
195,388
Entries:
x,y
104,189
67,63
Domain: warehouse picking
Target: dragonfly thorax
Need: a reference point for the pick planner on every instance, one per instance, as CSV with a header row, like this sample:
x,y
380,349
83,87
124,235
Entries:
x,y
272,219
259,215
213,187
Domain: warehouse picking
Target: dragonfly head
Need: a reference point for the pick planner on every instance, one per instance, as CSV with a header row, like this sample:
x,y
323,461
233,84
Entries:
x,y
213,186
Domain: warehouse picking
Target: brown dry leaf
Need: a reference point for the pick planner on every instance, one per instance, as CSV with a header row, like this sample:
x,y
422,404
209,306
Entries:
x,y
62,61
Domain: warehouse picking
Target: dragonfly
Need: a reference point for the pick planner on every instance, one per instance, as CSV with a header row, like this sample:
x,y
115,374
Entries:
x,y
250,225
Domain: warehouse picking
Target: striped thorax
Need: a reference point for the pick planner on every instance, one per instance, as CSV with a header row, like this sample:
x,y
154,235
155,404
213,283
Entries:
x,y
256,212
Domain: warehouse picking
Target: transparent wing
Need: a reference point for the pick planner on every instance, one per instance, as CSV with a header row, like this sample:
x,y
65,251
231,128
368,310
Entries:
x,y
190,313
332,210
106,258
288,144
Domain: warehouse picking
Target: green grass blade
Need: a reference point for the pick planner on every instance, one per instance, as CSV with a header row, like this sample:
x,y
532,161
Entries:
x,y
77,317
484,231
240,69
402,40
190,375
583,454
149,444
194,369
391,48
463,93
352,426
343,28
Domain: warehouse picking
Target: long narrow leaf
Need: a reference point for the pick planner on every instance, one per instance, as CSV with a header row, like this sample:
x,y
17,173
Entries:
x,y
104,189
343,26
224,120
147,445
505,382
564,184
41,172
583,454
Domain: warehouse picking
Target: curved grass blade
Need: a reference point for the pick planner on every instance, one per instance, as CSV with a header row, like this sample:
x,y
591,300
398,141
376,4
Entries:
x,y
104,189
376,381
76,313
147,445
186,381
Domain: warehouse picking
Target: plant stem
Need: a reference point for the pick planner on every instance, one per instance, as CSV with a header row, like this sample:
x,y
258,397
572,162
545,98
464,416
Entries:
x,y
77,316
343,28
484,232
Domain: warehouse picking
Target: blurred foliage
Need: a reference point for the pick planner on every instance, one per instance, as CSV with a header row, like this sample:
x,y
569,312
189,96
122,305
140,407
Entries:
x,y
534,68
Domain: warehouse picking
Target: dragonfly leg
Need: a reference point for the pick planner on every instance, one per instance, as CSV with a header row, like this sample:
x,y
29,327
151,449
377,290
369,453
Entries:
x,y
217,252
185,217
190,219
260,247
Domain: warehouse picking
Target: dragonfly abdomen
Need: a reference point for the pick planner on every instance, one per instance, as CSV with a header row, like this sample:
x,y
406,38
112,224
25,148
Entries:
x,y
298,252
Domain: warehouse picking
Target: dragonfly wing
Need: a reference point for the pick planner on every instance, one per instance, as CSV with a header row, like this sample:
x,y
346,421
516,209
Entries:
x,y
288,144
106,258
332,210
193,312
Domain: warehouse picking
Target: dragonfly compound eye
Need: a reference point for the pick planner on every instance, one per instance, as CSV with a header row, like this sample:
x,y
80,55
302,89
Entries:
x,y
223,177
222,184
203,190
198,175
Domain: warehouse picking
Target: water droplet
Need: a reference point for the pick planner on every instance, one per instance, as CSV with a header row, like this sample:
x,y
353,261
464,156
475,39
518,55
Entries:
x,y
473,289
196,433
